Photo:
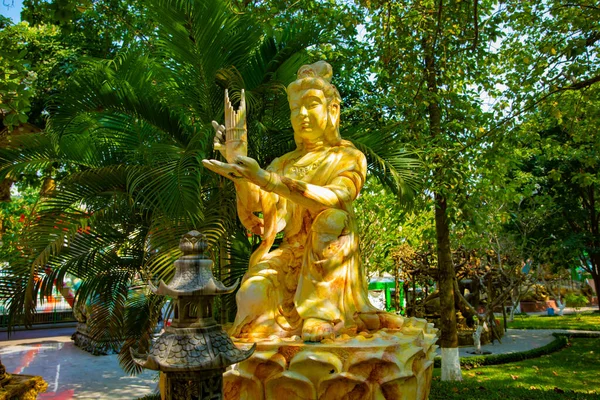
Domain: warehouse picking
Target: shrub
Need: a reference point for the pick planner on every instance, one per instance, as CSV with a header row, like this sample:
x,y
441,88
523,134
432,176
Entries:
x,y
576,301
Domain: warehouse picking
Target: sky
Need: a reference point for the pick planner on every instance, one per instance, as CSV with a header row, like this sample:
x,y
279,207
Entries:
x,y
11,9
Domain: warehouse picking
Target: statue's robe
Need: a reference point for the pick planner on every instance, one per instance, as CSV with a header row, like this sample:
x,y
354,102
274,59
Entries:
x,y
316,271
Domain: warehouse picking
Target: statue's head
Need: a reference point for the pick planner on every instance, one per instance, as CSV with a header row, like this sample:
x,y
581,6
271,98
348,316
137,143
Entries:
x,y
315,105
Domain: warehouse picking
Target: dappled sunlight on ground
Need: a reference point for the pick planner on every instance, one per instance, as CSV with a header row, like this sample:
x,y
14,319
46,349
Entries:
x,y
72,373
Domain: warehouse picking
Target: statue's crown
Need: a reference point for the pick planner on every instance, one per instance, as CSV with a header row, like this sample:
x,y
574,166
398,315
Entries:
x,y
320,69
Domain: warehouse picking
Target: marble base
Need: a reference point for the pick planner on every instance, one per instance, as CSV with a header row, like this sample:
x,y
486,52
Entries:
x,y
386,365
22,387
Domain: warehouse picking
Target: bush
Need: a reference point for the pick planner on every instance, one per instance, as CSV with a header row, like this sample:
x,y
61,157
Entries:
x,y
576,301
153,396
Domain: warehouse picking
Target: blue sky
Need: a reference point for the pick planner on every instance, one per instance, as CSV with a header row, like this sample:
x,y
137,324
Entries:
x,y
13,12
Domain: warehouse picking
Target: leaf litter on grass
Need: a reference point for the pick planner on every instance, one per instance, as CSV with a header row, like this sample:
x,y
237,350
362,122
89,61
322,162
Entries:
x,y
546,378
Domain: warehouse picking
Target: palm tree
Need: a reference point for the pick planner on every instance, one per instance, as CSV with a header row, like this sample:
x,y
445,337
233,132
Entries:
x,y
129,135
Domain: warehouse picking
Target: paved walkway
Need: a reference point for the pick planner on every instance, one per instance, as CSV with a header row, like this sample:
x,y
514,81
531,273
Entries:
x,y
518,340
72,373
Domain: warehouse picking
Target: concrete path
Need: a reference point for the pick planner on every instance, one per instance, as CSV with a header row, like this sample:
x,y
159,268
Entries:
x,y
71,373
518,340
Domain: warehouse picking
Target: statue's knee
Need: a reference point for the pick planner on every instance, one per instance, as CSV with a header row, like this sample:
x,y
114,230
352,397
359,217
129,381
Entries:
x,y
329,229
254,290
331,222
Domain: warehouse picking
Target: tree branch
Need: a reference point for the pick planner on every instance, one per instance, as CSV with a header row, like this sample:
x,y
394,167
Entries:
x,y
439,25
582,84
576,86
462,301
476,24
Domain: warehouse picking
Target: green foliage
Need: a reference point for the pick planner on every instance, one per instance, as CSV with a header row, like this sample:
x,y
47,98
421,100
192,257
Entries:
x,y
576,300
549,46
17,78
572,373
560,181
15,216
380,219
472,161
97,28
39,54
403,35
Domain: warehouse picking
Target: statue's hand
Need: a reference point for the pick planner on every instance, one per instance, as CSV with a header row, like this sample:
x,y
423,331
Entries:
x,y
231,138
244,168
219,141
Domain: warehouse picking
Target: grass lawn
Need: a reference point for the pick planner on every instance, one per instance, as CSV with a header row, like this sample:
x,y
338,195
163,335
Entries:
x,y
589,321
571,373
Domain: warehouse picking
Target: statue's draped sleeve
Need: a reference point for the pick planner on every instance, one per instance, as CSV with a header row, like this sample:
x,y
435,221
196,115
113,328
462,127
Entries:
x,y
261,212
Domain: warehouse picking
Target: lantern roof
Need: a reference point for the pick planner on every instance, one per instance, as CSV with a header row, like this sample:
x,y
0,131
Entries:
x,y
193,272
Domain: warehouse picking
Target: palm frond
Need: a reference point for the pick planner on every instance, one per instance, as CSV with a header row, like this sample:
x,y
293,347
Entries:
x,y
396,168
127,137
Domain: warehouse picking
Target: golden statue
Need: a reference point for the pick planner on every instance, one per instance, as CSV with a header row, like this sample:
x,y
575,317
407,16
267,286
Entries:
x,y
313,284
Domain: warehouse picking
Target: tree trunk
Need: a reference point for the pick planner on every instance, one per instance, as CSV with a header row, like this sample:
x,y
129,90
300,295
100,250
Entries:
x,y
594,269
449,340
414,299
446,273
490,307
5,186
596,279
397,287
515,304
406,299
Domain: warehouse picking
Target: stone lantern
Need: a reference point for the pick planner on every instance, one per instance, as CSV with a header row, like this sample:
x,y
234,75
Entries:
x,y
194,351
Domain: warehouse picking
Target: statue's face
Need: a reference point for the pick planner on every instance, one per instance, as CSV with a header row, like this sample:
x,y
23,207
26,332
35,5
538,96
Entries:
x,y
309,113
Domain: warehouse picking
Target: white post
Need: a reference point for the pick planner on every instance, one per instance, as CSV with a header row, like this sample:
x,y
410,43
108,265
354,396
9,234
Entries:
x,y
561,306
477,337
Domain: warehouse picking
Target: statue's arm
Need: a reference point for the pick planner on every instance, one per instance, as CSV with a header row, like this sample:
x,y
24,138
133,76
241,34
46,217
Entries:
x,y
351,172
340,191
